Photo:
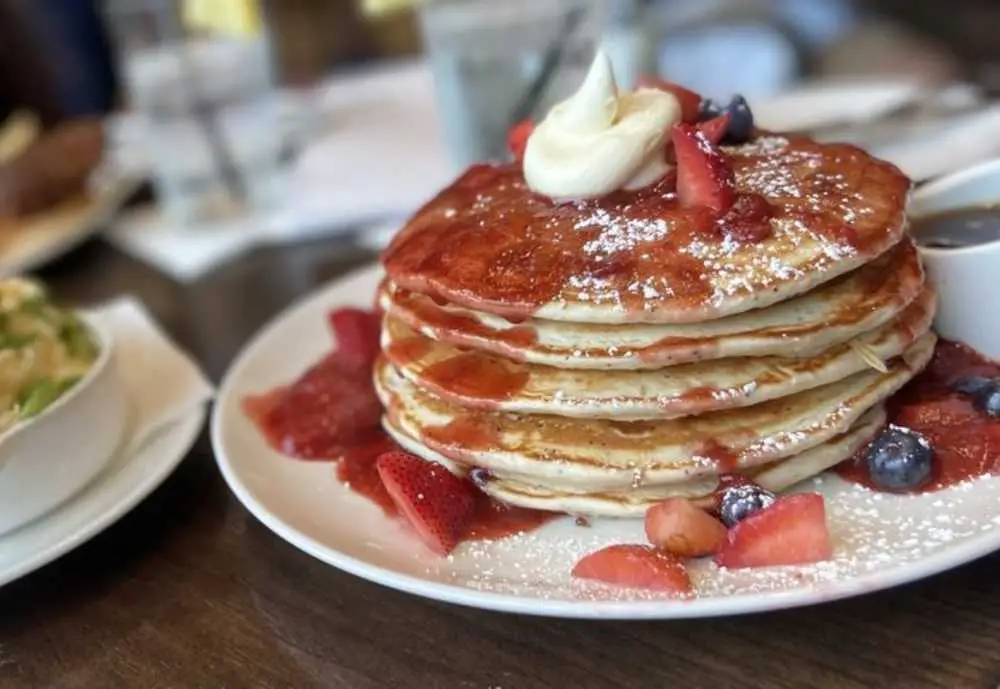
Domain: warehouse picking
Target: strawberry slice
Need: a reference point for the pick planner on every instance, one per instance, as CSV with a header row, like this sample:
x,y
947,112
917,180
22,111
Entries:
x,y
689,100
437,504
792,531
517,138
357,332
715,128
635,566
679,528
704,177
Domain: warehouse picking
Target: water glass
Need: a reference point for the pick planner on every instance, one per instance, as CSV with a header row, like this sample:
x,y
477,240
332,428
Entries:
x,y
207,108
497,62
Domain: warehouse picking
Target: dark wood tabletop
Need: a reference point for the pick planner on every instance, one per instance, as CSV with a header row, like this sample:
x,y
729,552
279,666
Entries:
x,y
188,591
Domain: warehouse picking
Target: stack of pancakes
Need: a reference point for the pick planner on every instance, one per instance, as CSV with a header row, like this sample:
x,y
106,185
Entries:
x,y
597,356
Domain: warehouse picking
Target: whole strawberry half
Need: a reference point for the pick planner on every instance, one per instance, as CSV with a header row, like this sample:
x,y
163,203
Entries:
x,y
635,566
792,531
678,527
436,503
704,177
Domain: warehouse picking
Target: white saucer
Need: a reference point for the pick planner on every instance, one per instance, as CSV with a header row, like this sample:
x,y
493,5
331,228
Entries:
x,y
115,491
880,540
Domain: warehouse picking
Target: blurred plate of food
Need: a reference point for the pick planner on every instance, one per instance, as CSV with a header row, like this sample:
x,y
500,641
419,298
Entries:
x,y
55,189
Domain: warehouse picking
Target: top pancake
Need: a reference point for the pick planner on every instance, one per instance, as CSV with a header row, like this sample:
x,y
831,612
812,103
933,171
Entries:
x,y
836,312
489,243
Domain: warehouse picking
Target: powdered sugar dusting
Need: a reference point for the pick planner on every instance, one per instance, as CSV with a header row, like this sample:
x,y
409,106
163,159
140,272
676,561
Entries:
x,y
873,534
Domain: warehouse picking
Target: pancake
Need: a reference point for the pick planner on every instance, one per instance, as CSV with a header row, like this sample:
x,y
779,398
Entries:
x,y
635,500
598,454
489,243
480,380
801,327
517,491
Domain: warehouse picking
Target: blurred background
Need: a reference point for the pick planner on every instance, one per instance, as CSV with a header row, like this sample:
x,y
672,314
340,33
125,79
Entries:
x,y
282,120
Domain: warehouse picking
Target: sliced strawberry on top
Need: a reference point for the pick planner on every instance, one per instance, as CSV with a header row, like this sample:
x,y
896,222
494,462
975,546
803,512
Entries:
x,y
437,504
635,566
517,138
792,531
689,100
678,527
704,177
715,128
357,332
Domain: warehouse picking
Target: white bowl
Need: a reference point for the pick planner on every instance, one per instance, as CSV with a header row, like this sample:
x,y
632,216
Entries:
x,y
967,278
45,460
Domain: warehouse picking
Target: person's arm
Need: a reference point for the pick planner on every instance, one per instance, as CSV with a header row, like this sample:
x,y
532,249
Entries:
x,y
26,80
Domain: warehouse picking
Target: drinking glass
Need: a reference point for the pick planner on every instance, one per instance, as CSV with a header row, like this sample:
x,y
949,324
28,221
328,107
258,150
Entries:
x,y
495,63
206,105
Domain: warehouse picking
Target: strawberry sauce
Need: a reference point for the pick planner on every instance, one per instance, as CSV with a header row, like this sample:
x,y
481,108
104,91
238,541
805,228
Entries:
x,y
332,414
475,376
424,312
966,441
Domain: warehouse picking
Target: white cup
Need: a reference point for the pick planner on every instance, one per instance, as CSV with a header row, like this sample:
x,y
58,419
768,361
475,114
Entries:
x,y
967,279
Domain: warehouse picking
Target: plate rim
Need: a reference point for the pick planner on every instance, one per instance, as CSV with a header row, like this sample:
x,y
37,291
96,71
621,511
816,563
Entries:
x,y
188,427
946,558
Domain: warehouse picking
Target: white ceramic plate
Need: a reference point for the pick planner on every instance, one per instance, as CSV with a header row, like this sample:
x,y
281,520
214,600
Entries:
x,y
880,540
117,489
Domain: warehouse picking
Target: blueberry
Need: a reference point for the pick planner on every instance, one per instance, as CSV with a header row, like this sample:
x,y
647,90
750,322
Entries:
x,y
480,477
985,392
709,110
739,502
989,399
899,458
971,385
740,121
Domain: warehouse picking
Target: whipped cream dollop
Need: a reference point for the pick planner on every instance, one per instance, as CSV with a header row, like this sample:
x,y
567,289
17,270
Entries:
x,y
599,140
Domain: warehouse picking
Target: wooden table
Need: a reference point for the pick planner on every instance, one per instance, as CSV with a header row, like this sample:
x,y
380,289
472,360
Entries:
x,y
188,591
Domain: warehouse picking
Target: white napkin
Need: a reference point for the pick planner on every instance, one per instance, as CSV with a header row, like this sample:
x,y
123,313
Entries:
x,y
183,253
383,153
162,382
380,155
